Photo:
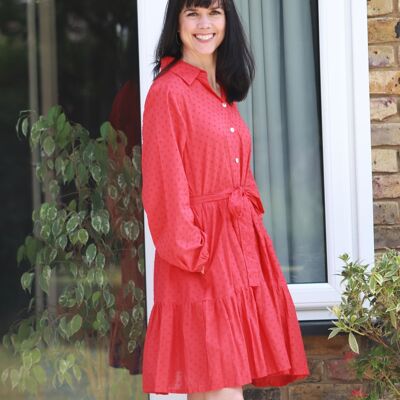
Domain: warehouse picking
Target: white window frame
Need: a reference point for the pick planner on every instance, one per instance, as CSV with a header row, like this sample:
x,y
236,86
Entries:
x,y
346,144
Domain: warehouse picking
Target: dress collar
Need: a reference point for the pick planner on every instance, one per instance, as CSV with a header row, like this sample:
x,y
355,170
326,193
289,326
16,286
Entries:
x,y
186,71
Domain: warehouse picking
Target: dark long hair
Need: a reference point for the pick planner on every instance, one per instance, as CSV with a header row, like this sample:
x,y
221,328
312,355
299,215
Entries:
x,y
235,62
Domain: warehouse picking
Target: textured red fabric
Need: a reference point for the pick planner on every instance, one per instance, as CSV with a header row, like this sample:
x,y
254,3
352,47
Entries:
x,y
222,315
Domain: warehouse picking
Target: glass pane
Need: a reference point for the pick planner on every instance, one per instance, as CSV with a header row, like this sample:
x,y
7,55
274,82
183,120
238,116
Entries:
x,y
87,62
283,112
16,204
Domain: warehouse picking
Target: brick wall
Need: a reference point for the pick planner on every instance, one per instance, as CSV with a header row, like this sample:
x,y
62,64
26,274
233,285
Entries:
x,y
384,61
331,378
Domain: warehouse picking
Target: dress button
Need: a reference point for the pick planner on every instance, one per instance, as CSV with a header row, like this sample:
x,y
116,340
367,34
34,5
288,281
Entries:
x,y
224,105
237,160
232,130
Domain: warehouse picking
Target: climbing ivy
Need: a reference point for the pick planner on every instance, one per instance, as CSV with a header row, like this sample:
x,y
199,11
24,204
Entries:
x,y
74,246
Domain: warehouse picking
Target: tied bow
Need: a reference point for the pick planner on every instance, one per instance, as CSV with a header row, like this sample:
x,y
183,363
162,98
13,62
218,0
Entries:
x,y
237,198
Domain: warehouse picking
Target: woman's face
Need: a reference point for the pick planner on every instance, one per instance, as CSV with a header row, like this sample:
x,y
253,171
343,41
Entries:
x,y
202,30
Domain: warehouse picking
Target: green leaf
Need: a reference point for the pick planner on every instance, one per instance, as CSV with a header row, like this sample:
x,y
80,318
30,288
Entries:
x,y
53,255
124,317
62,241
20,253
70,360
73,237
61,122
137,313
58,165
108,133
32,247
99,277
75,324
43,211
79,293
15,377
105,221
27,360
57,227
30,384
36,356
132,346
63,326
83,174
51,214
130,230
393,319
109,298
69,171
141,265
100,260
26,280
90,276
45,232
95,171
63,366
74,269
353,343
96,223
25,126
44,278
77,372
91,253
4,375
39,374
53,114
72,223
95,298
83,236
6,341
112,191
372,284
49,146
68,378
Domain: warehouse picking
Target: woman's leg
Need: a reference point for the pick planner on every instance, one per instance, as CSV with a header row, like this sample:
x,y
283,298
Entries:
x,y
234,393
196,396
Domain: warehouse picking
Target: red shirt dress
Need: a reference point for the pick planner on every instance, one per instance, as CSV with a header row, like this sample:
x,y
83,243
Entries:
x,y
222,315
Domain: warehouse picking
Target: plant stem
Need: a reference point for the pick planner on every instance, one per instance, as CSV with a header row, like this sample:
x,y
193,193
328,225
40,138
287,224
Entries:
x,y
391,384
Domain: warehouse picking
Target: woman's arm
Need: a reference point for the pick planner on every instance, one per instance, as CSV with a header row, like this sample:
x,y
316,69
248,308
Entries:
x,y
165,190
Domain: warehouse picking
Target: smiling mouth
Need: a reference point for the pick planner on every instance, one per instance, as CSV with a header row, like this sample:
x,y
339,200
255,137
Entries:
x,y
204,38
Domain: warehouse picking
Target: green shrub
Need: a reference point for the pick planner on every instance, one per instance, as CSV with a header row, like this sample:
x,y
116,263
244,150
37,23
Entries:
x,y
370,307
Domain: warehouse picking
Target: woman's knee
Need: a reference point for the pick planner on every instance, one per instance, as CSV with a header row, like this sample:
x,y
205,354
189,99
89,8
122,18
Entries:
x,y
232,393
196,396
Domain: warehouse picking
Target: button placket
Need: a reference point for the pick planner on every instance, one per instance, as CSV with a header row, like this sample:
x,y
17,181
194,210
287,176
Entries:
x,y
234,145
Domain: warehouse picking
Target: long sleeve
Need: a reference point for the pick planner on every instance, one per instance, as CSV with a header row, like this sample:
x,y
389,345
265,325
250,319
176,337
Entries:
x,y
165,189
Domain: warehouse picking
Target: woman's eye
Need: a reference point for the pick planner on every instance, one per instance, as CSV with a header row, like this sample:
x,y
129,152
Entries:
x,y
194,14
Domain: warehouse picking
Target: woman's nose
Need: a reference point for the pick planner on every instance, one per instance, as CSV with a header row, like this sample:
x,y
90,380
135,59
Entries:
x,y
204,22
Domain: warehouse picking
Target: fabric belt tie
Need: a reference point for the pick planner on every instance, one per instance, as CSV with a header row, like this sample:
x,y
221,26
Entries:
x,y
246,227
236,199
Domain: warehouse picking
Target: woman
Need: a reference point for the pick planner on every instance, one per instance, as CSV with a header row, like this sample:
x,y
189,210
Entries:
x,y
222,315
